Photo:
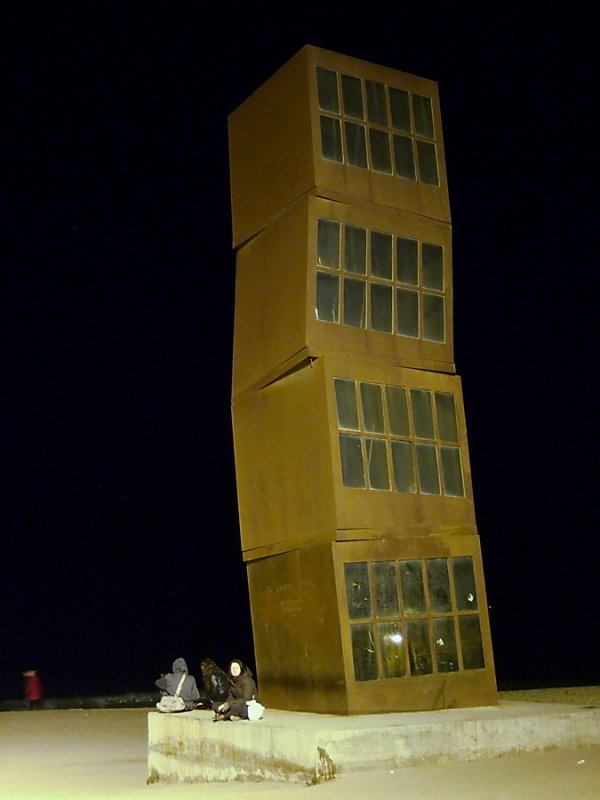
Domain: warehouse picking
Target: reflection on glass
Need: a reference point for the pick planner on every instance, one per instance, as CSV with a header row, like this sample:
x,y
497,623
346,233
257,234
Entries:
x,y
413,591
358,593
419,649
386,589
381,255
444,637
331,139
356,145
352,463
397,410
328,297
446,416
429,478
433,317
355,249
372,406
345,397
407,256
404,476
328,93
381,158
381,307
376,108
428,172
400,110
464,583
471,644
328,243
452,472
433,266
355,306
439,584
363,652
377,463
422,414
392,649
407,315
403,154
352,96
423,115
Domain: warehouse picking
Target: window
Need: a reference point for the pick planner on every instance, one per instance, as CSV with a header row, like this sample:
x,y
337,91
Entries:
x,y
413,617
393,438
373,126
375,279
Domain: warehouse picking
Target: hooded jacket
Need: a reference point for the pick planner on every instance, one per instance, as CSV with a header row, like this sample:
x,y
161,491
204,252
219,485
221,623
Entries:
x,y
242,686
168,683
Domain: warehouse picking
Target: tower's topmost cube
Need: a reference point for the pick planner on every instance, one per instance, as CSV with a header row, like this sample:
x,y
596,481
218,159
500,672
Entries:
x,y
340,128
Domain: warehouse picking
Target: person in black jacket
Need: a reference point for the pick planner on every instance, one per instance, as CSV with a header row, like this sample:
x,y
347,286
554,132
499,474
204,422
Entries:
x,y
168,684
242,687
216,683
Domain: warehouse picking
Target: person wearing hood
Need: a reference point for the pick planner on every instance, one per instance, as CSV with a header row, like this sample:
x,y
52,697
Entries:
x,y
242,687
168,684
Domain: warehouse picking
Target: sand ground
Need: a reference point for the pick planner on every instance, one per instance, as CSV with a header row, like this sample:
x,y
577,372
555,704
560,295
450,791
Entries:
x,y
78,754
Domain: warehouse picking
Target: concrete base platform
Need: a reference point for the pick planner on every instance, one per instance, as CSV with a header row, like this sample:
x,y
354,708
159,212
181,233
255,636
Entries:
x,y
310,748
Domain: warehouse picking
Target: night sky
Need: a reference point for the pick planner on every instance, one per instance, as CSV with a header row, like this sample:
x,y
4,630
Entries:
x,y
120,536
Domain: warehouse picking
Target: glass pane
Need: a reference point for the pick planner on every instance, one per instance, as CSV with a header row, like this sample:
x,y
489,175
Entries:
x,y
407,255
377,463
381,157
407,312
452,472
397,410
381,255
372,405
355,249
400,110
328,297
331,139
352,96
345,398
470,640
413,591
444,637
328,93
355,303
429,478
464,583
433,317
403,153
381,307
358,593
386,589
446,417
376,103
404,476
428,172
433,266
392,649
328,243
356,145
422,415
419,649
423,115
352,463
363,653
439,584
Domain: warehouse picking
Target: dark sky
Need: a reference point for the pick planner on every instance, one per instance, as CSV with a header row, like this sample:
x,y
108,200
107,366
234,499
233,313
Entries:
x,y
120,535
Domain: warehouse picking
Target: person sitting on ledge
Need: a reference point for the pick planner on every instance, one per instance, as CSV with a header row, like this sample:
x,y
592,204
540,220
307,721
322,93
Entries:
x,y
168,684
216,684
242,687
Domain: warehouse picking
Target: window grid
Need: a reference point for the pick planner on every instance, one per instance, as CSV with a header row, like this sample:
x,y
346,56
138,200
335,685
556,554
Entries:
x,y
374,279
393,438
416,644
370,125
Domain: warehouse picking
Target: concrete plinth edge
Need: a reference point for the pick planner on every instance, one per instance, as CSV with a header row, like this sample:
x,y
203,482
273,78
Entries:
x,y
308,748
